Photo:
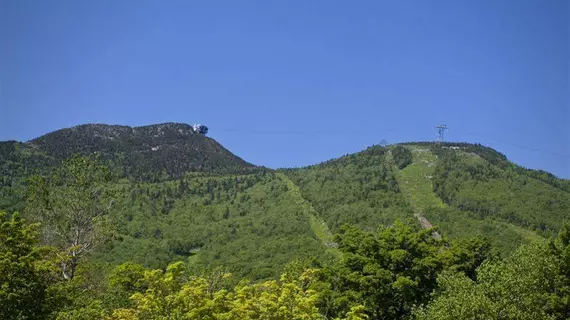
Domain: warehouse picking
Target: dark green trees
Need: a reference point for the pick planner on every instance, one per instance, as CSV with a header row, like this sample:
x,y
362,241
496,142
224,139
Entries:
x,y
402,156
471,184
532,284
24,277
387,272
390,272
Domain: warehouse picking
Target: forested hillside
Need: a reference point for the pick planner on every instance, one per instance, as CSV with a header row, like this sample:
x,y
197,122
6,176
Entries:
x,y
249,224
470,183
162,222
416,182
359,189
149,153
464,189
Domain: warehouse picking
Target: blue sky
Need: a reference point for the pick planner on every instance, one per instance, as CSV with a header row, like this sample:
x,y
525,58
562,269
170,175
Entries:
x,y
289,83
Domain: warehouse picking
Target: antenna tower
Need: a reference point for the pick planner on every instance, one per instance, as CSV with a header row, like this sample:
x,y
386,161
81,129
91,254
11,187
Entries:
x,y
440,130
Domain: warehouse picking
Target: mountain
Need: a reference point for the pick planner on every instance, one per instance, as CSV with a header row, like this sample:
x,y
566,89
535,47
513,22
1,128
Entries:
x,y
182,196
140,151
146,153
464,189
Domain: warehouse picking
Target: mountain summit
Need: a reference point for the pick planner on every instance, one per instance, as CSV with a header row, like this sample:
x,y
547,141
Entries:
x,y
142,151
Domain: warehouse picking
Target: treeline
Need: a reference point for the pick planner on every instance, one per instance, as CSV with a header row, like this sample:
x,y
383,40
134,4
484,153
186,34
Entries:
x,y
402,156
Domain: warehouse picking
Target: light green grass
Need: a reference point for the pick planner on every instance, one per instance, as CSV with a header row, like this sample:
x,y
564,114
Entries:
x,y
528,235
318,225
415,180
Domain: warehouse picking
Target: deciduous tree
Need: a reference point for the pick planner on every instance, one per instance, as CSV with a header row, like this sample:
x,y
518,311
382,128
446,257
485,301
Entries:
x,y
72,206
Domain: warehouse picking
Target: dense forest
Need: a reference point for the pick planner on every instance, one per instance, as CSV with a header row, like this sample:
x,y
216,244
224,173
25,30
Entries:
x,y
396,272
160,222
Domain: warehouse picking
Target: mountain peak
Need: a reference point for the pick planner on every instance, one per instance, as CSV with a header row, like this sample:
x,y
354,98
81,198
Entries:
x,y
142,150
100,130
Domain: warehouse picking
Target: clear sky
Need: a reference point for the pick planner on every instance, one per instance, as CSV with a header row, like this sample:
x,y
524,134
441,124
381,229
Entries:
x,y
288,83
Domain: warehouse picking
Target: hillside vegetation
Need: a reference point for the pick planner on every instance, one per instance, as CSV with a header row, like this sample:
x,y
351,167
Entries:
x,y
468,182
359,189
147,153
249,224
161,222
416,181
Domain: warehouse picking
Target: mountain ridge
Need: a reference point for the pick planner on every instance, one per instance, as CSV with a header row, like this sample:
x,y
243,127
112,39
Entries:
x,y
124,128
212,213
95,129
141,151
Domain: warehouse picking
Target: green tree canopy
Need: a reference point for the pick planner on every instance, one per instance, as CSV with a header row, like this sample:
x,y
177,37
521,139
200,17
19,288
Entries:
x,y
532,284
25,277
387,271
72,206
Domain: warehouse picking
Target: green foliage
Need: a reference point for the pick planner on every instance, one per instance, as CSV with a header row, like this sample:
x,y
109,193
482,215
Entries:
x,y
497,159
173,294
17,163
398,272
318,226
72,205
505,237
415,180
388,272
182,197
359,189
467,254
250,224
531,284
150,153
124,281
402,156
471,184
25,275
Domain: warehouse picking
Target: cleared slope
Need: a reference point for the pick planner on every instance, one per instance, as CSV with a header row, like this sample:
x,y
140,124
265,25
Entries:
x,y
467,181
416,182
368,189
318,225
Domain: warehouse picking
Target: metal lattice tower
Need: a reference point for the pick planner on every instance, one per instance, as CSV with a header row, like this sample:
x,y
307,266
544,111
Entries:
x,y
440,130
